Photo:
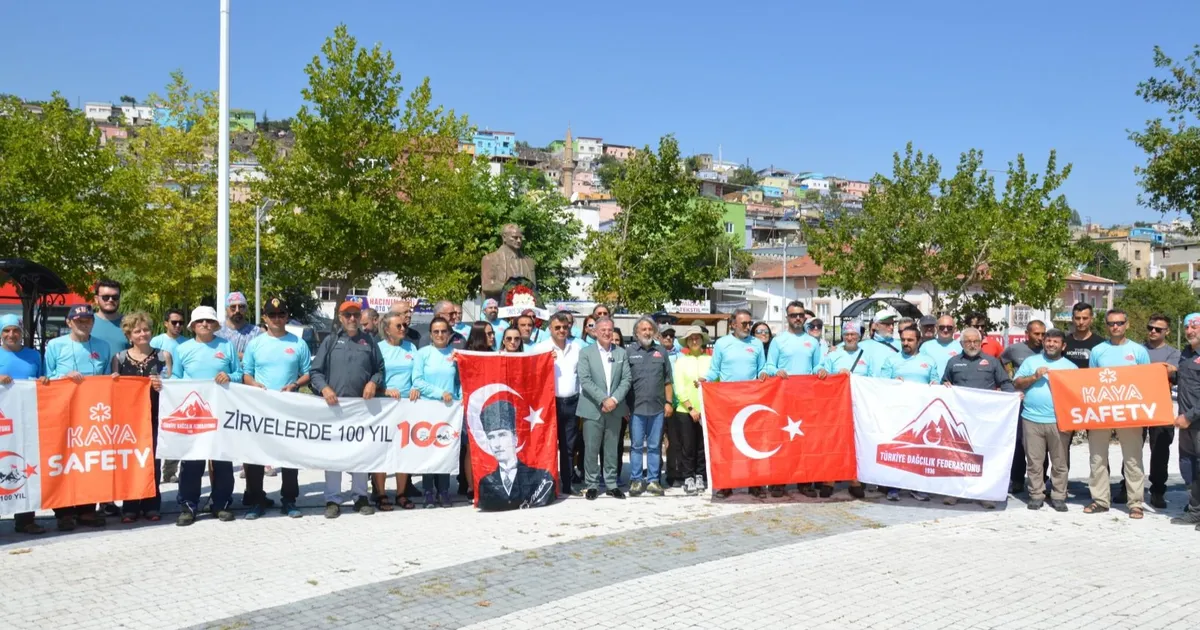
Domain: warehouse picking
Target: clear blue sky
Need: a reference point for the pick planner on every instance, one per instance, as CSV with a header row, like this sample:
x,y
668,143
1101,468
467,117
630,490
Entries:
x,y
833,86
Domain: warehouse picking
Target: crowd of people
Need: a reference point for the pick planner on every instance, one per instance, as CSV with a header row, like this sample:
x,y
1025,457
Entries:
x,y
604,389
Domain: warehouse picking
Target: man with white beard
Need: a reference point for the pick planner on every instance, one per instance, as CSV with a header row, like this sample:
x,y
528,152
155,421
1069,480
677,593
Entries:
x,y
650,399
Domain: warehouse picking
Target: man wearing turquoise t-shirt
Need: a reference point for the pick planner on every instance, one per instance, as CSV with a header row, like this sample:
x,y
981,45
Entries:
x,y
944,346
108,316
18,363
737,357
909,364
277,361
794,351
1039,425
1116,352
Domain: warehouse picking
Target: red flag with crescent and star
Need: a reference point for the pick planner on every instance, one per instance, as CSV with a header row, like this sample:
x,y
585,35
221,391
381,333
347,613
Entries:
x,y
798,429
511,419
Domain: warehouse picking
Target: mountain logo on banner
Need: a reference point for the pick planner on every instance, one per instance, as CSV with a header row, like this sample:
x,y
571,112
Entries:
x,y
13,472
191,417
6,425
934,444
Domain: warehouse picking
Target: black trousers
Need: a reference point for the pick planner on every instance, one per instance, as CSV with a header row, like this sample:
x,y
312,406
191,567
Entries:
x,y
254,494
567,430
1017,475
75,510
690,437
1161,439
151,504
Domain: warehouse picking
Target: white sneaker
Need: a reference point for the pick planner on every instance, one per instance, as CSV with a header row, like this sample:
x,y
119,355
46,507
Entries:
x,y
270,471
700,485
689,485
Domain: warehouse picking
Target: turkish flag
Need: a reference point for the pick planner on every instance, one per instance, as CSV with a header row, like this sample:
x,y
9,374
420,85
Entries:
x,y
513,427
797,429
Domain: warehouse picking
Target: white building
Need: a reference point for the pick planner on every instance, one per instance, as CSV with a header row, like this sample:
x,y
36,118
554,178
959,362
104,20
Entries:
x,y
580,284
589,149
97,111
138,114
810,183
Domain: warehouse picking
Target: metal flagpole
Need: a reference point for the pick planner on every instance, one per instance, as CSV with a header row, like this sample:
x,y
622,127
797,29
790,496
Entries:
x,y
223,163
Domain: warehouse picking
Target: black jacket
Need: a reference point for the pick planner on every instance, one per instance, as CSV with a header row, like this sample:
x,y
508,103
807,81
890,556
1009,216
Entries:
x,y
532,487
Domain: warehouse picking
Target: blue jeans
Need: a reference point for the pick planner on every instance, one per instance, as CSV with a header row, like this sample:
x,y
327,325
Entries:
x,y
191,477
645,434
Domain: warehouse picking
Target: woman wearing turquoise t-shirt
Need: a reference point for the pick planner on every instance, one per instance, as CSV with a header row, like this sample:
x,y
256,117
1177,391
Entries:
x,y
435,376
399,354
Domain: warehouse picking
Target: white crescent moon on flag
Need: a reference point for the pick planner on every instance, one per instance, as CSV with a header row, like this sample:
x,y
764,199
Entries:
x,y
738,432
475,404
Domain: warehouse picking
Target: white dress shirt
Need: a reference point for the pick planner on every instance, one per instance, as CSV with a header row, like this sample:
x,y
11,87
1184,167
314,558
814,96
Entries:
x,y
566,382
606,359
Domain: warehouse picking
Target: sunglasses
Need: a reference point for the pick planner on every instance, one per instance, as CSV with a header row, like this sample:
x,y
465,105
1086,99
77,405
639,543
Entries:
x,y
558,328
1120,323
946,328
513,338
439,332
207,322
795,315
175,322
108,298
1155,329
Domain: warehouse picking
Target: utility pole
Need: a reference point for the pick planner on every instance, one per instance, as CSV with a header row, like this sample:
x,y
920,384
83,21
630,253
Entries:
x,y
223,163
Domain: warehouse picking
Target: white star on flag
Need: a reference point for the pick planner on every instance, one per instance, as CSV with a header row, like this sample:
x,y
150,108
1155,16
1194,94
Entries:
x,y
793,427
1107,376
534,418
99,412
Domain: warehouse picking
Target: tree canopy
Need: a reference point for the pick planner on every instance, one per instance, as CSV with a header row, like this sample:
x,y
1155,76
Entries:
x,y
1170,178
954,238
743,176
1143,297
1102,259
666,241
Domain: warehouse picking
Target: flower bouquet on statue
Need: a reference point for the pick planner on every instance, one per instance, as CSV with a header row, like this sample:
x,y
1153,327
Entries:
x,y
520,292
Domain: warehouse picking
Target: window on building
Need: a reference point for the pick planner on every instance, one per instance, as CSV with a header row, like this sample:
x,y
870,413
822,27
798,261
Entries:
x,y
728,228
1137,272
823,311
327,294
1137,254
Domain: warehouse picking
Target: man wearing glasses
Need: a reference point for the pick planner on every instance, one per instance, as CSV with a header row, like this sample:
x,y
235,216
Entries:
x,y
1157,329
237,330
169,341
108,317
943,347
1117,351
566,394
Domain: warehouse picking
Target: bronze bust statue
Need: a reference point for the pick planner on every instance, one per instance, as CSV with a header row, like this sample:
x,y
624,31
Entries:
x,y
507,262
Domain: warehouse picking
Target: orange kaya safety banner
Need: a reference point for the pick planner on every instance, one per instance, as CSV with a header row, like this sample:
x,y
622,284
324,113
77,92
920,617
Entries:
x,y
96,440
1112,398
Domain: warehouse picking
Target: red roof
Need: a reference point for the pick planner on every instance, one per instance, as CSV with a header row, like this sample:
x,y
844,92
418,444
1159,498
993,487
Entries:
x,y
796,268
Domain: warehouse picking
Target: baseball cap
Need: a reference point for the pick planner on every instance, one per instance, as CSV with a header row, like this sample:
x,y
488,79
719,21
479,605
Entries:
x,y
201,313
886,315
236,298
350,305
7,321
927,320
814,324
667,331
275,306
80,310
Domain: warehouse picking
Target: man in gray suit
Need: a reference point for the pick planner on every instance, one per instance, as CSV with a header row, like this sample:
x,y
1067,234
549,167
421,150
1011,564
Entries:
x,y
603,372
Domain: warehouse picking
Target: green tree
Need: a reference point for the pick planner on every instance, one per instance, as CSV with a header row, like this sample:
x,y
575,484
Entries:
x,y
1101,259
1170,178
743,176
129,100
1075,220
66,202
692,163
667,240
174,264
1143,297
609,169
955,239
374,184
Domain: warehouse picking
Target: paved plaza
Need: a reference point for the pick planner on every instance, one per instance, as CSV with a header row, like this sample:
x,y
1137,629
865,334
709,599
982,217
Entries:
x,y
671,562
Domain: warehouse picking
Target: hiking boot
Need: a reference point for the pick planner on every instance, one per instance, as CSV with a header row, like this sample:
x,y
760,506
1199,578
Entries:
x,y
893,495
637,488
654,489
1158,500
224,515
825,491
776,491
430,499
1016,487
1059,506
918,495
332,510
1035,504
950,501
809,490
858,492
362,505
444,499
111,509
186,516
289,510
723,494
689,486
254,512
65,523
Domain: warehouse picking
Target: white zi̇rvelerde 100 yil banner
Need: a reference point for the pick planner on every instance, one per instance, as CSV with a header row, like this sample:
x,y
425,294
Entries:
x,y
239,423
952,441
